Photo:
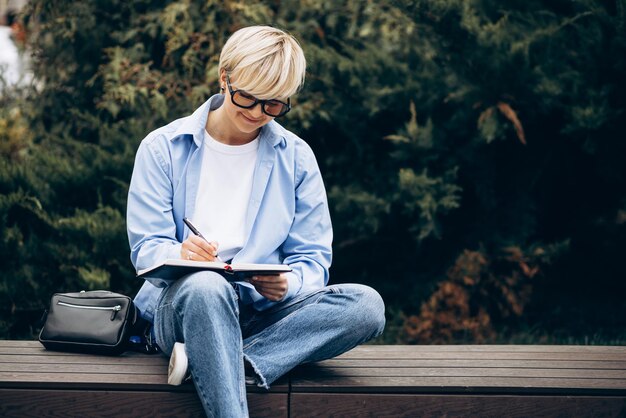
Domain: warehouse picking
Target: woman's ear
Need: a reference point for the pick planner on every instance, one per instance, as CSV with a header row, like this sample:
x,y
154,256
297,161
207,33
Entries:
x,y
222,79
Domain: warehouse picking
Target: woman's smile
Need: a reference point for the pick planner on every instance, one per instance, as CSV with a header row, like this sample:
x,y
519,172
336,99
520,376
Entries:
x,y
252,120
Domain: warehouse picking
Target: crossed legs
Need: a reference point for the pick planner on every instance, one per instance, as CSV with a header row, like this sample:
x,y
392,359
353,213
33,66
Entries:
x,y
202,311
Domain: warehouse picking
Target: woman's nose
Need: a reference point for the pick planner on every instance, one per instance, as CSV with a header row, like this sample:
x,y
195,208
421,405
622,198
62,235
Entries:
x,y
256,112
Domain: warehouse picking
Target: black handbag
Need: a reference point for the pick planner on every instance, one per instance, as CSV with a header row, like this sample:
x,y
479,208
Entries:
x,y
98,322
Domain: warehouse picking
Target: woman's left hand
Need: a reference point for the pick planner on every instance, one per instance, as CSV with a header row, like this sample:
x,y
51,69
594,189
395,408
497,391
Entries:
x,y
272,287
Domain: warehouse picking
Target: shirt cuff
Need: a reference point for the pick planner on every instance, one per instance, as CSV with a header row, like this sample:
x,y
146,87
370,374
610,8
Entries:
x,y
174,251
294,284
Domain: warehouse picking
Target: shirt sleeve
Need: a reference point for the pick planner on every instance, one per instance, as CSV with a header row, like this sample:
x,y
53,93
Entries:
x,y
150,221
308,247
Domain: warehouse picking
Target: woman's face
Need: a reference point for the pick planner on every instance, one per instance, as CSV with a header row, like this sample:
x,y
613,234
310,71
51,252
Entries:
x,y
246,121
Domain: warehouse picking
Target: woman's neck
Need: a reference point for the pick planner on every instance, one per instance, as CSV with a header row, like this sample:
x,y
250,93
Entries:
x,y
218,127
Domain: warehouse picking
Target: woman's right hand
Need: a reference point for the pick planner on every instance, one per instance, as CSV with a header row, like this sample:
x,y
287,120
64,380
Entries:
x,y
198,249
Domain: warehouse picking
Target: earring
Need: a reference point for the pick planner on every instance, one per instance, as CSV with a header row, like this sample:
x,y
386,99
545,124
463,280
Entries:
x,y
222,89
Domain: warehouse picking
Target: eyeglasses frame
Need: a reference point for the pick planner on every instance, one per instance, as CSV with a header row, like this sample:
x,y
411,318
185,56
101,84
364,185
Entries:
x,y
256,101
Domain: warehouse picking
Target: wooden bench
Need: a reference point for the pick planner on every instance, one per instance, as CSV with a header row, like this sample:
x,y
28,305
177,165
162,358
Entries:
x,y
410,381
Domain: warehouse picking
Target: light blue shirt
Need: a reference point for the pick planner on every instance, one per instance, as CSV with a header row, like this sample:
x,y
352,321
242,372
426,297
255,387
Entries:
x,y
287,219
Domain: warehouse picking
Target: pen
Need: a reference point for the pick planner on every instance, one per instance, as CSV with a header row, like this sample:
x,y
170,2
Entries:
x,y
196,232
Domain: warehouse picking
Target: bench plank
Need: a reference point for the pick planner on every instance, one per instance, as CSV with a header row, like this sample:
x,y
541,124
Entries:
x,y
44,358
416,406
486,348
95,404
444,363
493,372
456,384
106,381
486,355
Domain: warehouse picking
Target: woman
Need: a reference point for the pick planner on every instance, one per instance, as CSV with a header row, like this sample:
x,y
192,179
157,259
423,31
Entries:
x,y
255,192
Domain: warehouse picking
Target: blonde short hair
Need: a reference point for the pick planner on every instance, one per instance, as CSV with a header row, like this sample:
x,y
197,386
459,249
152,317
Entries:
x,y
264,61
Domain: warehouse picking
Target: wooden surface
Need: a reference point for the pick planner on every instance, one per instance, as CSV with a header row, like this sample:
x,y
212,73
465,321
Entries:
x,y
483,406
415,381
509,369
35,382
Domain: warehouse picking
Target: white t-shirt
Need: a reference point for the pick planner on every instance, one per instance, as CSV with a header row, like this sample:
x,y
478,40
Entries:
x,y
223,193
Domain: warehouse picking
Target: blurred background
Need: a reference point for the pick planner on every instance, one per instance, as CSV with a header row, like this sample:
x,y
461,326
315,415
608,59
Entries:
x,y
473,151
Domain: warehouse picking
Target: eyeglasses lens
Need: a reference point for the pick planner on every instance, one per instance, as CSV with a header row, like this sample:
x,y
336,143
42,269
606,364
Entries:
x,y
275,108
243,99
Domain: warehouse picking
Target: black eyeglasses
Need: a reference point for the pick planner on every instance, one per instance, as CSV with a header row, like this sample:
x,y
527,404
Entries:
x,y
273,107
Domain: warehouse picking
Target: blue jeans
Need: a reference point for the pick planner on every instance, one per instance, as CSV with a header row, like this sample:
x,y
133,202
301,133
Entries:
x,y
202,310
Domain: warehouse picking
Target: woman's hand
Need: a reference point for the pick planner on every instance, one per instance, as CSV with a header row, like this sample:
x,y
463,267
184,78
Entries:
x,y
272,287
198,249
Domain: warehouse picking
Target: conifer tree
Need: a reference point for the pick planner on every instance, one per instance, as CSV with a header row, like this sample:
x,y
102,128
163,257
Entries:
x,y
442,127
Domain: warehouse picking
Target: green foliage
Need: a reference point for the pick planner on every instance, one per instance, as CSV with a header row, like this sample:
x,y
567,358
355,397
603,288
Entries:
x,y
426,198
440,126
358,212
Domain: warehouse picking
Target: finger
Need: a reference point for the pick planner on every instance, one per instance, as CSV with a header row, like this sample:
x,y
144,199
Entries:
x,y
269,281
276,278
279,284
215,246
272,293
266,286
209,247
203,248
193,252
198,253
187,253
273,287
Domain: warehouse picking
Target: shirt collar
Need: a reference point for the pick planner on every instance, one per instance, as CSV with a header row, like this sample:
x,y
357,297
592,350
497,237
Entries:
x,y
194,124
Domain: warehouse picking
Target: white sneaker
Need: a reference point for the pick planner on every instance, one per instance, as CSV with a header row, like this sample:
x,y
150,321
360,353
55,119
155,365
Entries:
x,y
177,370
